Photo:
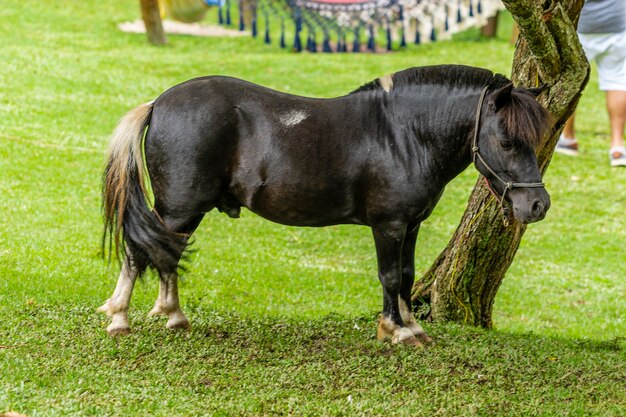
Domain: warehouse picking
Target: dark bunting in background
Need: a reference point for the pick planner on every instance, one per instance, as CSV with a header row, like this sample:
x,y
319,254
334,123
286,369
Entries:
x,y
341,25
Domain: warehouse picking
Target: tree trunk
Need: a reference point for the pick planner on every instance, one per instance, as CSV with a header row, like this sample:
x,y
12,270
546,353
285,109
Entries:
x,y
461,284
249,11
152,21
490,29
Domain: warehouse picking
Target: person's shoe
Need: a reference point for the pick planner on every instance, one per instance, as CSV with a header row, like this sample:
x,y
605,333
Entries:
x,y
567,146
617,157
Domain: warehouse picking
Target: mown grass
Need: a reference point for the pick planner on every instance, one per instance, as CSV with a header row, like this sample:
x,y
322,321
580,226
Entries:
x,y
283,317
331,365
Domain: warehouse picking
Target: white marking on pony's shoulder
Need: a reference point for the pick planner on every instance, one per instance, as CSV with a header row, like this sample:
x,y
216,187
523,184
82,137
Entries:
x,y
293,117
386,82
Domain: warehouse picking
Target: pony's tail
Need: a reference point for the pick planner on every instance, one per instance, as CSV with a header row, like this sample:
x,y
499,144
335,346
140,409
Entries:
x,y
130,226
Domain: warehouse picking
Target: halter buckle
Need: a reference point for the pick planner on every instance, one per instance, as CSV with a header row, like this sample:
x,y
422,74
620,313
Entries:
x,y
505,216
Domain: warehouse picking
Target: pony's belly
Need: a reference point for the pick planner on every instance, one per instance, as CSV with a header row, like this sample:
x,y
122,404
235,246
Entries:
x,y
292,218
295,205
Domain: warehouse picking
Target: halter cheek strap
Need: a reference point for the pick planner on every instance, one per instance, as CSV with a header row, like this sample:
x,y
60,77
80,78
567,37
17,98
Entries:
x,y
508,185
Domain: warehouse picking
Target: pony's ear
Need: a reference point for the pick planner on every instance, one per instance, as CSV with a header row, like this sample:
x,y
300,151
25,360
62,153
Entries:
x,y
501,96
538,90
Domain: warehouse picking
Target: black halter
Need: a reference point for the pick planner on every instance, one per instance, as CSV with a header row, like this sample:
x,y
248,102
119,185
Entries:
x,y
508,185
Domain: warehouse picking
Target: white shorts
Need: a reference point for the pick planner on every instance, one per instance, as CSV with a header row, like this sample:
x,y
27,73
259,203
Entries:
x,y
609,51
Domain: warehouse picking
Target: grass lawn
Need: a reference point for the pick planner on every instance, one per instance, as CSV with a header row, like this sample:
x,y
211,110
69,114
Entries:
x,y
284,318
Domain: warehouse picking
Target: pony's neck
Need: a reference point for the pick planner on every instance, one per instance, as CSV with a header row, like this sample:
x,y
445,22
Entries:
x,y
442,123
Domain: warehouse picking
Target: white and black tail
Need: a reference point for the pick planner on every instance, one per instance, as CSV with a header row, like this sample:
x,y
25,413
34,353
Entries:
x,y
130,226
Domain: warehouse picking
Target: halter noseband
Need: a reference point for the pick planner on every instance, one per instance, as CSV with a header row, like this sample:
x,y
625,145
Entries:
x,y
508,185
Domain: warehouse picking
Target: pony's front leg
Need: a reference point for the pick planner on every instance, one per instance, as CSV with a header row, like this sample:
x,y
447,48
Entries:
x,y
167,304
117,306
389,239
408,278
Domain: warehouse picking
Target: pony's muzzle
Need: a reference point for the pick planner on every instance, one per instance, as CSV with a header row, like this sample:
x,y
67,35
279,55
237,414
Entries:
x,y
530,206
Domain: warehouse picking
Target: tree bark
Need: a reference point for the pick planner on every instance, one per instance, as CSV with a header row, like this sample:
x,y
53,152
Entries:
x,y
461,284
152,21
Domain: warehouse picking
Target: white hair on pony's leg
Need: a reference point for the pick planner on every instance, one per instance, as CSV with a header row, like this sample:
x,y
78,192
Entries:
x,y
409,320
117,306
167,303
388,329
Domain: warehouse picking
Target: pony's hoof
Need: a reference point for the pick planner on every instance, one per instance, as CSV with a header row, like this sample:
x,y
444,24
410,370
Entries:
x,y
178,325
118,331
405,336
412,341
424,338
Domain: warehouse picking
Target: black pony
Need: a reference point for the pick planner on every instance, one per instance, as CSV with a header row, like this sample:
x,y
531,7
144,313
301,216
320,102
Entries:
x,y
379,156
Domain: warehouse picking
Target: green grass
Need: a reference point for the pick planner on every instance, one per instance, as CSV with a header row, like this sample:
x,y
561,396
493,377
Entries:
x,y
332,365
284,318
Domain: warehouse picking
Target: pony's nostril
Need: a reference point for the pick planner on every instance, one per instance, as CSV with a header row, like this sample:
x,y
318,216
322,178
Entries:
x,y
536,208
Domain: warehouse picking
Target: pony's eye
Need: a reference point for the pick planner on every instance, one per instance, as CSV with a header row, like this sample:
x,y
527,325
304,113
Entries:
x,y
506,145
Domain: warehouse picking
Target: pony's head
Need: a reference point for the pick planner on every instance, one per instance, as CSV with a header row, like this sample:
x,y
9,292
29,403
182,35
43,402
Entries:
x,y
511,126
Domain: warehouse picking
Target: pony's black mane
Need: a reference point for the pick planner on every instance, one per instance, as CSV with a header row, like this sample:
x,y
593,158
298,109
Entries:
x,y
524,119
458,76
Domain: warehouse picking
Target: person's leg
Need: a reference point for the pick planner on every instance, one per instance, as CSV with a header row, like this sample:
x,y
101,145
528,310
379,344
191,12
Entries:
x,y
567,143
612,80
569,132
616,106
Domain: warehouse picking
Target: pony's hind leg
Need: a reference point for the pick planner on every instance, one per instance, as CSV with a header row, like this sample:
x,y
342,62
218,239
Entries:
x,y
117,306
167,304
